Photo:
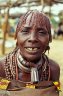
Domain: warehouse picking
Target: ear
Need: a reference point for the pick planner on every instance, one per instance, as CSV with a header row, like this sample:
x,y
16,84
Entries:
x,y
50,39
16,44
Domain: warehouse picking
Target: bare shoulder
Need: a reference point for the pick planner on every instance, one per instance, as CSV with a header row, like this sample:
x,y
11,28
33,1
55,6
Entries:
x,y
55,70
2,71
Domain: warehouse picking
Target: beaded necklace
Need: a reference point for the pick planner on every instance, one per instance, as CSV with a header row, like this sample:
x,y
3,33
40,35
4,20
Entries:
x,y
11,67
25,65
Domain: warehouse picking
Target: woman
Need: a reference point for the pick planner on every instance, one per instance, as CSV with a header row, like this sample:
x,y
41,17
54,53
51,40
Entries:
x,y
28,61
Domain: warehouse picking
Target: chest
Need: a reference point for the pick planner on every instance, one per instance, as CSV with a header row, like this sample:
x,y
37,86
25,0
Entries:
x,y
26,77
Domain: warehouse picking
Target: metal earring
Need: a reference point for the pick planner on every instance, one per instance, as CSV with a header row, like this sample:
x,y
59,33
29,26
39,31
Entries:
x,y
47,48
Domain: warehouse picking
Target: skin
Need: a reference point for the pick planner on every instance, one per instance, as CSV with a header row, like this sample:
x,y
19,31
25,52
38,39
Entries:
x,y
32,40
32,35
35,37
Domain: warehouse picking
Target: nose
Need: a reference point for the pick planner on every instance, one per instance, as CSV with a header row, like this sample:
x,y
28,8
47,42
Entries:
x,y
33,37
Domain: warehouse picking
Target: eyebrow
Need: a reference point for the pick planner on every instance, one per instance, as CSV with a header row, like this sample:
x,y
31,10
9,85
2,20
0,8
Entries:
x,y
28,27
40,28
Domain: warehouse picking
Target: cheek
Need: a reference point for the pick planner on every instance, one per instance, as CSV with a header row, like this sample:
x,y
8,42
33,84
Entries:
x,y
19,40
44,42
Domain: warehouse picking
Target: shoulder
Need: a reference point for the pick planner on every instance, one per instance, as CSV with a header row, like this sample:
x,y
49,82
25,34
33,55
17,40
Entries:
x,y
2,71
54,70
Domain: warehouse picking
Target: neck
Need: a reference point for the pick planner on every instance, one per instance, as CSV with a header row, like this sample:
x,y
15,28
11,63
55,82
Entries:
x,y
27,65
33,61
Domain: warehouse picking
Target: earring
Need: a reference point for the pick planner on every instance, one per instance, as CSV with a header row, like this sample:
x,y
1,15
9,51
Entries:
x,y
47,48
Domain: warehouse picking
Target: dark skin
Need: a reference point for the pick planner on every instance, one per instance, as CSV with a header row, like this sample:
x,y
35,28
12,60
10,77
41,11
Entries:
x,y
55,70
32,41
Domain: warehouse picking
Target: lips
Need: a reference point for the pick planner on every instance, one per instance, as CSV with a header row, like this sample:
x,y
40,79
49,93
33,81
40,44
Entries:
x,y
30,49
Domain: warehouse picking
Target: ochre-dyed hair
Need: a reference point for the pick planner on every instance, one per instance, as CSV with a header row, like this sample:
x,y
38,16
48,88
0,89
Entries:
x,y
38,17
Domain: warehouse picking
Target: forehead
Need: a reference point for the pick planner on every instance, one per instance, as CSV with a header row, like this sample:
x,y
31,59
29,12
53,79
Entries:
x,y
38,20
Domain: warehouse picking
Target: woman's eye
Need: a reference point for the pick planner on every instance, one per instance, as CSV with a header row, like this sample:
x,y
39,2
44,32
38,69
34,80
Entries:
x,y
25,31
42,32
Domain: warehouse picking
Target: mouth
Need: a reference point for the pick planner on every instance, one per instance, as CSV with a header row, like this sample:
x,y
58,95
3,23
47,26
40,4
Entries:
x,y
35,49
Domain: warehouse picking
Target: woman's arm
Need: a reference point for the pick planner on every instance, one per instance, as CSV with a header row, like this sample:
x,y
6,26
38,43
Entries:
x,y
2,71
54,70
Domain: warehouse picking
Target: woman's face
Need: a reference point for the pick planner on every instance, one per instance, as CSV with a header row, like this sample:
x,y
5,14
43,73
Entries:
x,y
32,39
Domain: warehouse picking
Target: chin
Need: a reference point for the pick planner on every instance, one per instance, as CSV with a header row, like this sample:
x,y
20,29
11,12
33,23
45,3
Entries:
x,y
32,58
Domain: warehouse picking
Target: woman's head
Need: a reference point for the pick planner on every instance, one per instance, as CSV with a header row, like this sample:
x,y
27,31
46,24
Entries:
x,y
33,34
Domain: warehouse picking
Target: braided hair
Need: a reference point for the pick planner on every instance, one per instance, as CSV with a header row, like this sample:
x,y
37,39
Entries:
x,y
38,17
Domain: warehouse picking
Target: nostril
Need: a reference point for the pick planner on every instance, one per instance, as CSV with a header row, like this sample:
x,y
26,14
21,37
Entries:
x,y
29,40
34,40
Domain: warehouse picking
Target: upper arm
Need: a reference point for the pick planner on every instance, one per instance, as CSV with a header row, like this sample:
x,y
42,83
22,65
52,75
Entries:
x,y
2,71
54,71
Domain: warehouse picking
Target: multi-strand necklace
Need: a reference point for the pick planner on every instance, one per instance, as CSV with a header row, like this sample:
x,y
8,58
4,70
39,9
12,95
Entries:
x,y
29,67
32,68
14,60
